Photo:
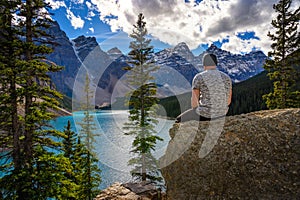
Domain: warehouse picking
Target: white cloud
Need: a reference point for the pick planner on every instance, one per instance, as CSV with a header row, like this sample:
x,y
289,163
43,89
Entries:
x,y
76,22
91,14
237,45
92,30
174,21
78,1
89,5
56,4
18,19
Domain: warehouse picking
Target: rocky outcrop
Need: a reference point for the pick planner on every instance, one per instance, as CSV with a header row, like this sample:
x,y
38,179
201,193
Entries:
x,y
255,156
131,191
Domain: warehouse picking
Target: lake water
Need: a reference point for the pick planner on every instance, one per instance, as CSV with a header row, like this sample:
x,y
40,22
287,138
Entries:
x,y
112,146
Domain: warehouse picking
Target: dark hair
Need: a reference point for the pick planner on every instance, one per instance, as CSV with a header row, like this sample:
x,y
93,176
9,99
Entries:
x,y
210,59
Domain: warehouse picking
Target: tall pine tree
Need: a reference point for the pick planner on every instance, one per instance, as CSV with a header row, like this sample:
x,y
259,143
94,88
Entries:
x,y
90,177
281,66
85,171
10,54
32,170
141,123
70,149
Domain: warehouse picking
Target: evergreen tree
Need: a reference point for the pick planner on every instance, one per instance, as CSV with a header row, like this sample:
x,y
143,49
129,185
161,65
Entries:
x,y
69,142
141,123
51,176
70,149
90,176
11,125
281,67
32,170
85,172
88,126
9,92
36,85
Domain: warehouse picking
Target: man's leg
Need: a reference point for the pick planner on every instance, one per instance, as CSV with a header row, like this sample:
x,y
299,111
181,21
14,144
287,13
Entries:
x,y
188,116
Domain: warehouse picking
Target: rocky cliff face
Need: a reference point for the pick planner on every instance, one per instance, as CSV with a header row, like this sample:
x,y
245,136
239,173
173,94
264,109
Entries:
x,y
256,156
63,55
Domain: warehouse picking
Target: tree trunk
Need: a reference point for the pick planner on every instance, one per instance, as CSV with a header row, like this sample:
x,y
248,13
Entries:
x,y
25,193
144,174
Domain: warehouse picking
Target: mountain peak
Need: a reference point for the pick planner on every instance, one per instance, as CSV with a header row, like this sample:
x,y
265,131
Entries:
x,y
114,50
114,53
85,45
183,50
258,53
181,46
82,40
212,47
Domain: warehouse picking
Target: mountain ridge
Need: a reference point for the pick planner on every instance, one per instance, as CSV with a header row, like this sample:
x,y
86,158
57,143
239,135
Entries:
x,y
178,66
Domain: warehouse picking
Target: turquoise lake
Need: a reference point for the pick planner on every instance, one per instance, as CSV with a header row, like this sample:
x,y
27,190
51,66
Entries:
x,y
112,146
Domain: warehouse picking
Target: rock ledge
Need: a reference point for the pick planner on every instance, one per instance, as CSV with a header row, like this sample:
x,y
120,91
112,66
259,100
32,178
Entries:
x,y
256,156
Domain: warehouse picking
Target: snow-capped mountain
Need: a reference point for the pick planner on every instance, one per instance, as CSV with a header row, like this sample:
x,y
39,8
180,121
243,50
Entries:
x,y
114,53
181,50
176,69
178,66
238,67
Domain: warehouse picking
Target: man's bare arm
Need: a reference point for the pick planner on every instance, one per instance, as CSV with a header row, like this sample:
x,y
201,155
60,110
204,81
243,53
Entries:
x,y
195,98
229,97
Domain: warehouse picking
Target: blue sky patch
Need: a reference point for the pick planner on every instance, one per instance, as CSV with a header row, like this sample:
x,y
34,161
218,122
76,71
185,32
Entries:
x,y
247,35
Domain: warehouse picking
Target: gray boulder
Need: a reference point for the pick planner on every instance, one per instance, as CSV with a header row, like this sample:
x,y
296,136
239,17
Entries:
x,y
255,156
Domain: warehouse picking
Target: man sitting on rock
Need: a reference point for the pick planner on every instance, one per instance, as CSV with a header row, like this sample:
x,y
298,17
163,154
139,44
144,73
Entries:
x,y
211,93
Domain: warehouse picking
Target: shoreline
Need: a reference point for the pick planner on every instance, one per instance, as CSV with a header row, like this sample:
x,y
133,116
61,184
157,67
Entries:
x,y
59,112
109,110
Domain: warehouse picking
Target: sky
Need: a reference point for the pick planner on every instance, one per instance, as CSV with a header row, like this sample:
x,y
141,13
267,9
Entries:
x,y
238,26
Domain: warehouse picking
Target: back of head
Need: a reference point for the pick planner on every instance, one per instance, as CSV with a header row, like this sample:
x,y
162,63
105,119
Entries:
x,y
210,59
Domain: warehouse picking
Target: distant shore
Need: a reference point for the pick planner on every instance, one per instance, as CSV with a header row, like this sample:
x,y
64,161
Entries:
x,y
61,112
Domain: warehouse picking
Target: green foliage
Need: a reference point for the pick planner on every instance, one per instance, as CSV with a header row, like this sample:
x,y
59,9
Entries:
x,y
152,173
51,179
46,172
90,173
247,95
172,106
32,166
281,66
85,173
142,102
88,127
69,142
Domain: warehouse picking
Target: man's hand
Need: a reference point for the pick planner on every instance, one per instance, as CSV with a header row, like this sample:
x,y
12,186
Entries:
x,y
229,97
195,98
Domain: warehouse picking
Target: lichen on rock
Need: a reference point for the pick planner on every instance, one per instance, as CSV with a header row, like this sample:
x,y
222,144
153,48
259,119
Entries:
x,y
255,156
